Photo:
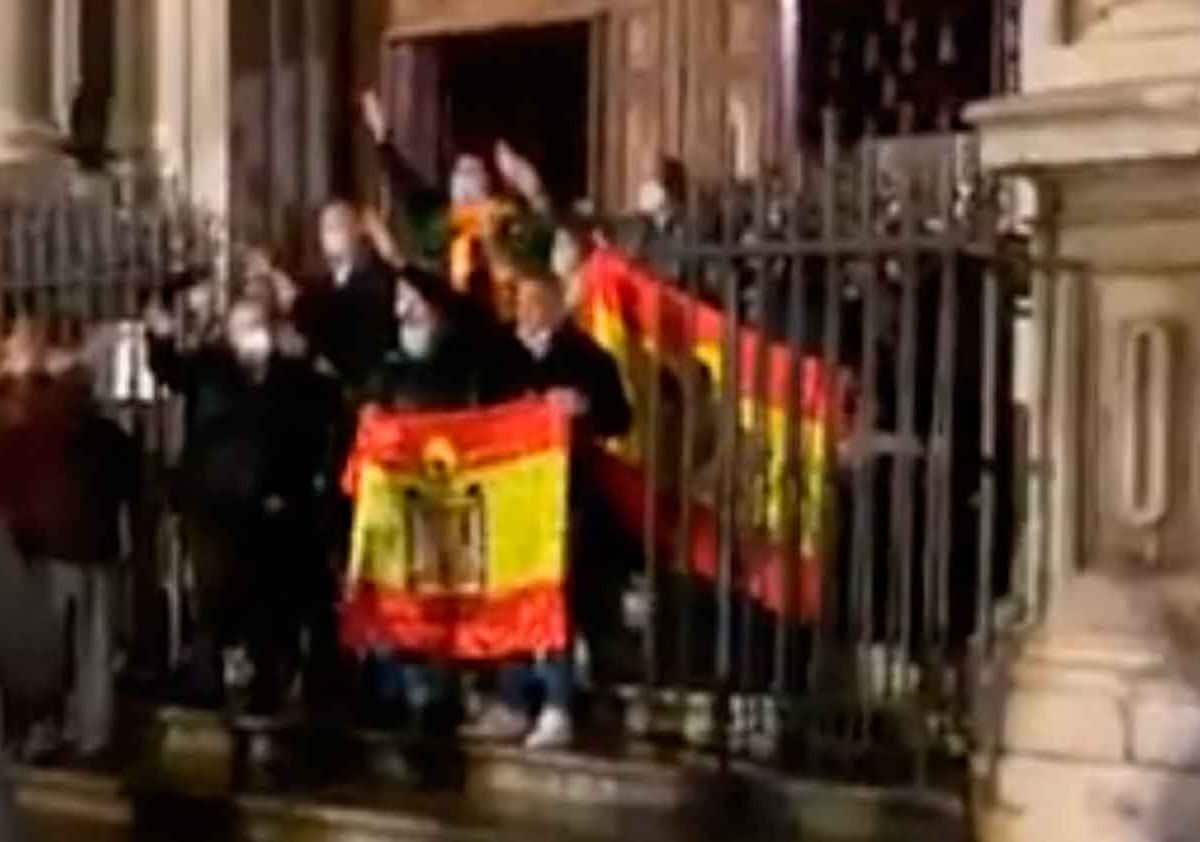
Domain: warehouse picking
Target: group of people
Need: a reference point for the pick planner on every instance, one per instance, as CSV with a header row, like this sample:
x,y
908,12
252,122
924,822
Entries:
x,y
462,300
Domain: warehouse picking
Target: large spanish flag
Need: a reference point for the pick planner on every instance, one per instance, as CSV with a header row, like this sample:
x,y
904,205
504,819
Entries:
x,y
784,500
459,532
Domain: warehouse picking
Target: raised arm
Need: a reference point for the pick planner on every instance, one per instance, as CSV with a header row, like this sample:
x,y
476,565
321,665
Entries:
x,y
167,364
416,197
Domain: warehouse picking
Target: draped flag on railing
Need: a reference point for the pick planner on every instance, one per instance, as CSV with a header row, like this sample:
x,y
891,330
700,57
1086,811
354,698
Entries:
x,y
784,502
459,532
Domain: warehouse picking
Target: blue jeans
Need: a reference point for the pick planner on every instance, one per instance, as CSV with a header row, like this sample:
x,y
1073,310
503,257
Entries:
x,y
554,674
420,685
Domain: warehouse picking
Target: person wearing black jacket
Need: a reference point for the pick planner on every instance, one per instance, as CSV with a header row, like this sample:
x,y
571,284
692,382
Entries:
x,y
450,354
345,315
577,375
257,453
450,351
453,230
32,656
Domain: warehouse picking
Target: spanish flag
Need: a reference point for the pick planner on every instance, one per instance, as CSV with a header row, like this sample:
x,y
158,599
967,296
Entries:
x,y
459,532
784,501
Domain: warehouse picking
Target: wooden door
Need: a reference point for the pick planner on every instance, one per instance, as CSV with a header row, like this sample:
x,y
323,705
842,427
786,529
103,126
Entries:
x,y
413,97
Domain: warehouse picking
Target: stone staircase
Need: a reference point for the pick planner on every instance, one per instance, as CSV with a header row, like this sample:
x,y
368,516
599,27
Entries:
x,y
297,784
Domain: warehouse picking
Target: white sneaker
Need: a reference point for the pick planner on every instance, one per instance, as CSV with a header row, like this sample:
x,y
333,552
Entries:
x,y
552,731
498,723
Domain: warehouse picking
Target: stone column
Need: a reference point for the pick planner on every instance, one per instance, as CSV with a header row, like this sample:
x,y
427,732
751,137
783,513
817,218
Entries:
x,y
27,130
129,121
190,104
1095,717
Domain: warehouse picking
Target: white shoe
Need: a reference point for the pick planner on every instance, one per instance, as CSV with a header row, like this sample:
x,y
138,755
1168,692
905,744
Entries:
x,y
498,723
552,731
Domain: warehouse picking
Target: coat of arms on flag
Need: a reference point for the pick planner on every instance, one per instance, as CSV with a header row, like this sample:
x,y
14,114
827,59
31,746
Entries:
x,y
459,532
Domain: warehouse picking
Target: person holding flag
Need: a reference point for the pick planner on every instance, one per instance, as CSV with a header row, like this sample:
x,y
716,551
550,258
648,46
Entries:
x,y
582,380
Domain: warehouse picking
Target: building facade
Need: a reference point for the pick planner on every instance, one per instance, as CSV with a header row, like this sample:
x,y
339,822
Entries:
x,y
251,105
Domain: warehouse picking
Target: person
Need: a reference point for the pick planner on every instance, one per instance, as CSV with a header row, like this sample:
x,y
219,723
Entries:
x,y
450,351
451,230
343,316
450,354
69,473
656,231
574,373
257,451
31,656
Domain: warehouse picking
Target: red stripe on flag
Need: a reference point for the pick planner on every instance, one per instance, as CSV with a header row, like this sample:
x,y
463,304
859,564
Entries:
x,y
479,437
764,566
529,621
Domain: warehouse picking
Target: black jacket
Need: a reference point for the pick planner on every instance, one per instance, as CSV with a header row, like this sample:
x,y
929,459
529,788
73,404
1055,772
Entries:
x,y
31,650
476,361
575,361
354,325
247,441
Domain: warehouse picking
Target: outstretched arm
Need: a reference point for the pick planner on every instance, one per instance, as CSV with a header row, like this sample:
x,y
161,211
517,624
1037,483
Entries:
x,y
521,176
414,195
167,364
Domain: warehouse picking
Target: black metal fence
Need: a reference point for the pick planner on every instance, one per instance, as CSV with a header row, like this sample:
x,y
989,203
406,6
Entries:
x,y
896,266
890,265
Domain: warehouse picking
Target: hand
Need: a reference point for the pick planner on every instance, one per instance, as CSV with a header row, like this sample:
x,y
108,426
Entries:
x,y
291,341
637,607
286,291
519,174
381,237
570,401
159,323
274,504
258,262
373,115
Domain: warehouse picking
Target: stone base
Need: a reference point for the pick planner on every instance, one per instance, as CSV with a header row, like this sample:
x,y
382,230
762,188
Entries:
x,y
1046,798
1094,727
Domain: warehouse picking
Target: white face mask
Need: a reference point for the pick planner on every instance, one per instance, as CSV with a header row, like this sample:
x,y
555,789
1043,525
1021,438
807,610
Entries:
x,y
253,345
652,198
340,247
418,339
469,182
537,342
565,257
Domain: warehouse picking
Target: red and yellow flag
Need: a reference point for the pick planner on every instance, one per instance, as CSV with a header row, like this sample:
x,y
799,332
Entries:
x,y
654,330
459,532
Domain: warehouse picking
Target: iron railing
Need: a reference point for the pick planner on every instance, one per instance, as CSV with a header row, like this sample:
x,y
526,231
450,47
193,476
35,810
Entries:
x,y
890,263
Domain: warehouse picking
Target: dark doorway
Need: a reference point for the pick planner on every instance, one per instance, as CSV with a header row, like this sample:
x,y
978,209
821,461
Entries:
x,y
528,86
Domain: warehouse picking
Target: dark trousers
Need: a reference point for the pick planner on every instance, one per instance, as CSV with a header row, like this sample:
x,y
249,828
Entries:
x,y
258,586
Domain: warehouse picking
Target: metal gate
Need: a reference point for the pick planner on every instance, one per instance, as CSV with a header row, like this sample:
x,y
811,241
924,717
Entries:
x,y
894,266
888,265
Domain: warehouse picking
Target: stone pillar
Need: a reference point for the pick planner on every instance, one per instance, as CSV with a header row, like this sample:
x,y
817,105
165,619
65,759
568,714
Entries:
x,y
27,130
1095,716
129,123
191,92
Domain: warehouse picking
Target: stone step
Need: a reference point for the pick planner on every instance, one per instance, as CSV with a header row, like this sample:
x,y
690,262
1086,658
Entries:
x,y
302,782
100,808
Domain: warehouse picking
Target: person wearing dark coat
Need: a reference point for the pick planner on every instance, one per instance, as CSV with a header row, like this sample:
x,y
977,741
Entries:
x,y
68,471
31,656
451,354
345,315
577,375
257,453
